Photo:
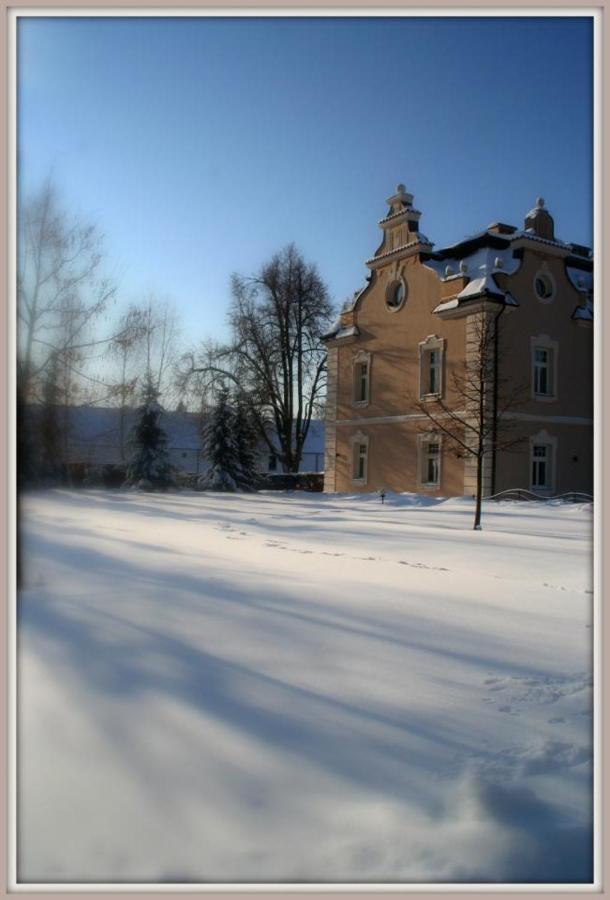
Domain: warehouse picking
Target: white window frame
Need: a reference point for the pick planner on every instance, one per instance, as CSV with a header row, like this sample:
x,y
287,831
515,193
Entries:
x,y
359,440
544,342
423,456
361,359
543,439
545,274
391,289
432,343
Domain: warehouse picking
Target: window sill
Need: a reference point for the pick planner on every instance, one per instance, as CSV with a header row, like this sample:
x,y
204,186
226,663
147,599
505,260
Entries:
x,y
359,404
427,398
545,398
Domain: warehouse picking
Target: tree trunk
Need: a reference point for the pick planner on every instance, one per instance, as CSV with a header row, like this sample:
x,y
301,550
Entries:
x,y
477,509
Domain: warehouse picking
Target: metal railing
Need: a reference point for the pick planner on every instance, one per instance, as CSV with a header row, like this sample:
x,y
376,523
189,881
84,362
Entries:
x,y
523,494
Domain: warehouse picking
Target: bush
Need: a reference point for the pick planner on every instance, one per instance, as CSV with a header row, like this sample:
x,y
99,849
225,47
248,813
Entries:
x,y
293,481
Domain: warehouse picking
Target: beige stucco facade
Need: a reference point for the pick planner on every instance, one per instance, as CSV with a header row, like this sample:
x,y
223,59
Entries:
x,y
399,351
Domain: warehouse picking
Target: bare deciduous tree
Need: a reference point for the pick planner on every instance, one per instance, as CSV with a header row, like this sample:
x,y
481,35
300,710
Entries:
x,y
123,348
475,420
275,358
60,287
61,291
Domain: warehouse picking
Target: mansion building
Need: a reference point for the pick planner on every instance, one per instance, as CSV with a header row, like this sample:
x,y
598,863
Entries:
x,y
400,348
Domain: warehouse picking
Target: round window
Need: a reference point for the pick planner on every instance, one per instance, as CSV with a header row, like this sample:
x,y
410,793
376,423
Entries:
x,y
543,286
396,295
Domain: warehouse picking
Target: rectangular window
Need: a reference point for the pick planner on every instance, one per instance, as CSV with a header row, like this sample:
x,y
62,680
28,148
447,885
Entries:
x,y
360,460
431,371
361,382
543,371
431,473
434,372
541,466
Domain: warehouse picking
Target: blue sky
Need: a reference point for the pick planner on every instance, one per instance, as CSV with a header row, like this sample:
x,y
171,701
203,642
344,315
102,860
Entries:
x,y
202,145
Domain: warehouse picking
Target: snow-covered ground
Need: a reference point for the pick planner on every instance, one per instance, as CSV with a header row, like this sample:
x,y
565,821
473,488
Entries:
x,y
303,688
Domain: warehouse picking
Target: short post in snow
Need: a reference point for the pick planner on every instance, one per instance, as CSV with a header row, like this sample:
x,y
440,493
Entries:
x,y
382,495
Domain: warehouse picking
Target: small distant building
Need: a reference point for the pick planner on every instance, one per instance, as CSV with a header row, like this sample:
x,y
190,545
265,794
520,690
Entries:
x,y
312,459
98,436
395,346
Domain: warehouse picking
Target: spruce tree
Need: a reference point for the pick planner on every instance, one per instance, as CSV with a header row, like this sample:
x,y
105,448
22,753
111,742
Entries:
x,y
246,442
220,448
149,467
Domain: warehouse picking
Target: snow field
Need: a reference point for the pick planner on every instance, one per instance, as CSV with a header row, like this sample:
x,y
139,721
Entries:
x,y
289,688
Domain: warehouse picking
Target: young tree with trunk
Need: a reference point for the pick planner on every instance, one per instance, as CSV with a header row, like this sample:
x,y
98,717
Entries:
x,y
275,358
475,419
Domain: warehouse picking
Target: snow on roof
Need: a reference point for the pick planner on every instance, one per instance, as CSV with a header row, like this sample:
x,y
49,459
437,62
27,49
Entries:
x,y
101,425
419,239
348,331
338,331
334,328
584,313
448,304
581,280
485,284
482,260
314,442
530,234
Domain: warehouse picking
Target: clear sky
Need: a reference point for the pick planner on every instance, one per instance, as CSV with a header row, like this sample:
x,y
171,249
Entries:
x,y
202,145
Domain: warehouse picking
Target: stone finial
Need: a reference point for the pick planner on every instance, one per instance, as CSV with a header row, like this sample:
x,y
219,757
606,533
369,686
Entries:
x,y
539,203
401,189
463,267
498,262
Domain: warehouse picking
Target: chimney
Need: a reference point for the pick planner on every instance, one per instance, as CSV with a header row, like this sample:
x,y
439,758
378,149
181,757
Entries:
x,y
540,221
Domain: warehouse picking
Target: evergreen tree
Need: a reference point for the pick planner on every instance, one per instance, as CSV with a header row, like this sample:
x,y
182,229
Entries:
x,y
220,447
149,467
246,442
